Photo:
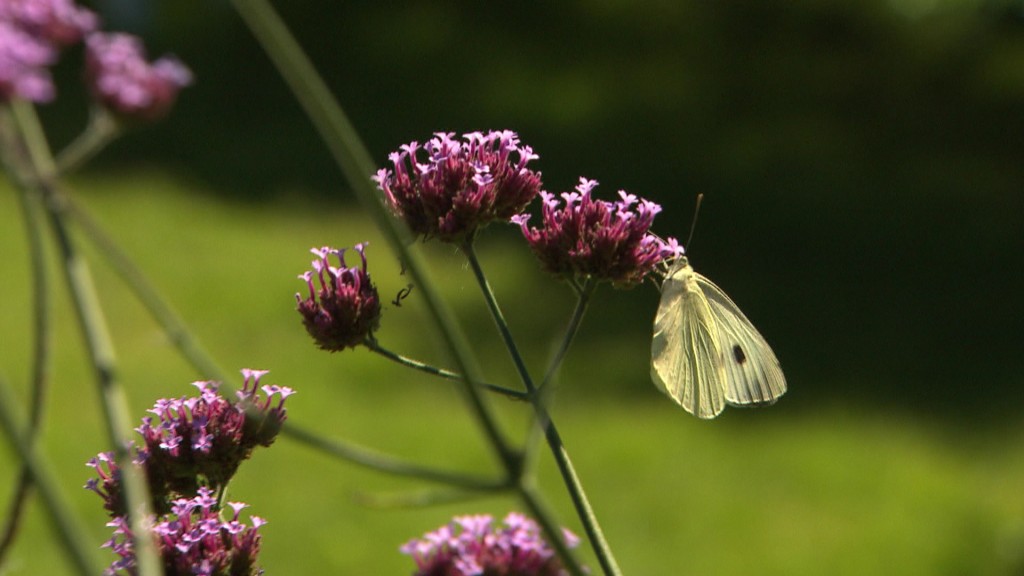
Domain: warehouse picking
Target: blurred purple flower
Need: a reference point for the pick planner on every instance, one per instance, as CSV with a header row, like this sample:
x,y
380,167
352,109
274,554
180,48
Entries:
x,y
608,241
123,82
460,186
474,546
193,539
24,59
31,33
57,22
345,310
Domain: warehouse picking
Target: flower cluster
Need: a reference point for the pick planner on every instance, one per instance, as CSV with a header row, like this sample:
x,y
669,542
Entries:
x,y
119,77
608,241
31,34
122,81
460,186
474,546
191,448
194,540
196,441
207,437
345,310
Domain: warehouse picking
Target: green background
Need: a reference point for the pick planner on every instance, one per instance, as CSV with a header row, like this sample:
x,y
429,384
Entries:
x,y
861,166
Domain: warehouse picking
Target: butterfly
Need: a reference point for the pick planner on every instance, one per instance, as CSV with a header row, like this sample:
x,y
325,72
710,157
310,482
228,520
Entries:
x,y
705,354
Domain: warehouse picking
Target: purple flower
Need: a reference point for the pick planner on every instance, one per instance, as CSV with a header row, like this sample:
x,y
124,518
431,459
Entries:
x,y
193,539
602,240
31,32
108,482
188,443
123,82
57,22
345,310
474,546
24,59
450,188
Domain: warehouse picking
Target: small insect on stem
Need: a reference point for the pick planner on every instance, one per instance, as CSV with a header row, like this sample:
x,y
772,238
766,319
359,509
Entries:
x,y
402,295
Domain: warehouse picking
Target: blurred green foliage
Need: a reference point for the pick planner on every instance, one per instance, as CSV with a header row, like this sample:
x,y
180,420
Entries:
x,y
845,488
861,162
864,203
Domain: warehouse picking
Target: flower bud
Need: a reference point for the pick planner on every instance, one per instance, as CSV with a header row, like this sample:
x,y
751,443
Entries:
x,y
345,310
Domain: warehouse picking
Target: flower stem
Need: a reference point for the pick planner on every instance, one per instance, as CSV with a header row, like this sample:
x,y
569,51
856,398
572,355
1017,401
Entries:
x,y
102,129
538,399
69,527
374,346
352,157
42,339
165,316
497,316
190,348
94,330
384,463
354,161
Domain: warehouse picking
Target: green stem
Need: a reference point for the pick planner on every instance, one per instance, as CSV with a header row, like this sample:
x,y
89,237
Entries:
x,y
102,129
543,423
497,316
97,338
579,497
165,316
374,346
383,463
181,336
422,498
354,161
42,339
538,399
351,156
69,527
585,292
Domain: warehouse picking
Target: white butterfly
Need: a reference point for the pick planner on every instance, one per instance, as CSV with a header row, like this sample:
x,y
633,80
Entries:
x,y
705,353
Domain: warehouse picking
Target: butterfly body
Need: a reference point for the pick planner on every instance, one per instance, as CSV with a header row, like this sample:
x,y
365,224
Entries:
x,y
705,353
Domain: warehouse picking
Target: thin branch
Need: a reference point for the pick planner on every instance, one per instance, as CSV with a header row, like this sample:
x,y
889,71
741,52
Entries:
x,y
374,346
97,338
538,399
351,156
16,156
385,463
70,529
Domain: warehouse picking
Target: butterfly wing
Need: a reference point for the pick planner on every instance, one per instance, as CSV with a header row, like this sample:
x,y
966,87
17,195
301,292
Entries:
x,y
753,373
686,355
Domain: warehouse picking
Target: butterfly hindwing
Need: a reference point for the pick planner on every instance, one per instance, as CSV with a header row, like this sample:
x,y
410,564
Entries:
x,y
686,355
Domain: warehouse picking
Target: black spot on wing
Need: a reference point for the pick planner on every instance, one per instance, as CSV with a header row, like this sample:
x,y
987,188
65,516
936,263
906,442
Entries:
x,y
738,354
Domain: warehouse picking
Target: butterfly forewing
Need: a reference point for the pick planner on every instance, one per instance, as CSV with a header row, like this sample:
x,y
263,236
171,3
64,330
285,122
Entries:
x,y
753,373
686,356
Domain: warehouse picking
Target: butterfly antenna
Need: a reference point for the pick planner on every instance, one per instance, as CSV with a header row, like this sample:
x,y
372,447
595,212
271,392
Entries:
x,y
693,225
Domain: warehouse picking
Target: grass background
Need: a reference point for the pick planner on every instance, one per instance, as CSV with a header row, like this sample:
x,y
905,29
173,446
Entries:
x,y
815,484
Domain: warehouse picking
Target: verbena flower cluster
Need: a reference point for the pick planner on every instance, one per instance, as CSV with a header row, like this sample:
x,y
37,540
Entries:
x,y
586,237
345,309
194,540
191,448
462,185
32,32
31,35
475,546
124,82
450,188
